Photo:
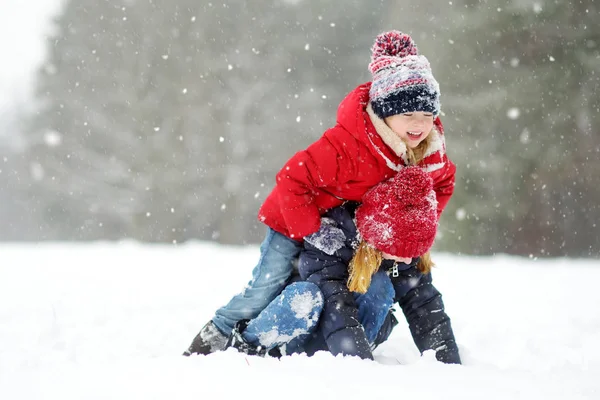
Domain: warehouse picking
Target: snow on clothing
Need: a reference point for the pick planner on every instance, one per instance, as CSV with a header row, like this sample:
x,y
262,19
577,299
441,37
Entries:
x,y
398,216
325,262
402,79
288,324
374,316
350,158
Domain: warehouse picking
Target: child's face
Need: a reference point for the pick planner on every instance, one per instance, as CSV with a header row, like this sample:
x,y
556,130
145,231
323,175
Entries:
x,y
412,127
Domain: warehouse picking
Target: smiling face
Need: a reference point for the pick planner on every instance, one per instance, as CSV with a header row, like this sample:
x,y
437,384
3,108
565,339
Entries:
x,y
411,127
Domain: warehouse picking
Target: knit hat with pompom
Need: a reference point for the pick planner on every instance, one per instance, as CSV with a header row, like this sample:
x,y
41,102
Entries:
x,y
402,79
399,216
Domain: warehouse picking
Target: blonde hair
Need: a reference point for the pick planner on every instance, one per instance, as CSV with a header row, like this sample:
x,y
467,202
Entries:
x,y
416,155
425,263
366,262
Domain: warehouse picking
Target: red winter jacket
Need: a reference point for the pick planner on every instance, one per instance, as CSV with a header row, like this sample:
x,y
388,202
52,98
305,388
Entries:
x,y
343,164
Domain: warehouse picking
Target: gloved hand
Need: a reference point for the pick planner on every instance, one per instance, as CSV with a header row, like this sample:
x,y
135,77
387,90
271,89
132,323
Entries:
x,y
329,238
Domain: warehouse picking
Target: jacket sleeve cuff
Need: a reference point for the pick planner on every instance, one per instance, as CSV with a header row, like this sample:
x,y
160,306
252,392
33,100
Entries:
x,y
350,342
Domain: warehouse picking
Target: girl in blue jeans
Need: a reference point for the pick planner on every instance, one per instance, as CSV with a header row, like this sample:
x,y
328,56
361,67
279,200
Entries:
x,y
381,127
363,259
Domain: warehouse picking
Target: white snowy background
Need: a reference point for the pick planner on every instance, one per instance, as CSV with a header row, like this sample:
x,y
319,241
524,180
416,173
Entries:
x,y
109,321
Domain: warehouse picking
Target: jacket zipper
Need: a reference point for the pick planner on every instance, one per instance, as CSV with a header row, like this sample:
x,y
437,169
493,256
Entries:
x,y
395,272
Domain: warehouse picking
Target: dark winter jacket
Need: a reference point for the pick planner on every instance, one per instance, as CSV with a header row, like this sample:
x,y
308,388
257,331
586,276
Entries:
x,y
325,262
343,164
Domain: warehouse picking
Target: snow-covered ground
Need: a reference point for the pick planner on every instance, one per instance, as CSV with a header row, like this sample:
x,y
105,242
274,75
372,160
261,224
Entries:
x,y
109,321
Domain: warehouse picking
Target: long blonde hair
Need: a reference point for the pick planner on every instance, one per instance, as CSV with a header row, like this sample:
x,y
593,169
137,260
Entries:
x,y
366,262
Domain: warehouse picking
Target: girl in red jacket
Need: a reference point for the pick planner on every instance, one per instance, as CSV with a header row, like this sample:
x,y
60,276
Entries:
x,y
382,126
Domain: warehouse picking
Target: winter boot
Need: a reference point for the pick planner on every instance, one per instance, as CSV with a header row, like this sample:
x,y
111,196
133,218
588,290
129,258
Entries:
x,y
237,341
208,340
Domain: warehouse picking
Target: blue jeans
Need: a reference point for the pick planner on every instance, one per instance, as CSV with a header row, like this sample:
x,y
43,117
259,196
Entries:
x,y
269,277
373,306
288,321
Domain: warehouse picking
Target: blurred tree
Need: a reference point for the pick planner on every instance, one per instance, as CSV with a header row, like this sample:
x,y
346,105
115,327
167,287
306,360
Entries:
x,y
115,133
519,83
166,120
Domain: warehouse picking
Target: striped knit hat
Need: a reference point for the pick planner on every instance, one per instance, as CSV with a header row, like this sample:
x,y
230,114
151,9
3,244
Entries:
x,y
402,79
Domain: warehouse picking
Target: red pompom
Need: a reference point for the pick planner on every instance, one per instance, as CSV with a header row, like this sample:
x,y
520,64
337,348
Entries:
x,y
394,44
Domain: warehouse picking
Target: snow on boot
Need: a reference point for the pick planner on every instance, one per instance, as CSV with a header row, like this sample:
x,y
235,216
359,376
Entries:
x,y
237,341
208,340
285,324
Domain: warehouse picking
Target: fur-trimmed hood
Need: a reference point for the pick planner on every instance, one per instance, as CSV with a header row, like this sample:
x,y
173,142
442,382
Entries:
x,y
356,115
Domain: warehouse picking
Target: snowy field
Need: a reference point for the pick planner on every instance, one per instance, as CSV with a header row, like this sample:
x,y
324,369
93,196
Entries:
x,y
109,321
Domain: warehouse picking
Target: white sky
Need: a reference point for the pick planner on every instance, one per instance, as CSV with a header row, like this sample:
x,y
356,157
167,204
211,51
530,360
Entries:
x,y
109,321
23,24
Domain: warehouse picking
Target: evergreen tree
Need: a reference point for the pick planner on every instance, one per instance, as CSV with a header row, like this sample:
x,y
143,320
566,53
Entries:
x,y
527,93
520,107
166,120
